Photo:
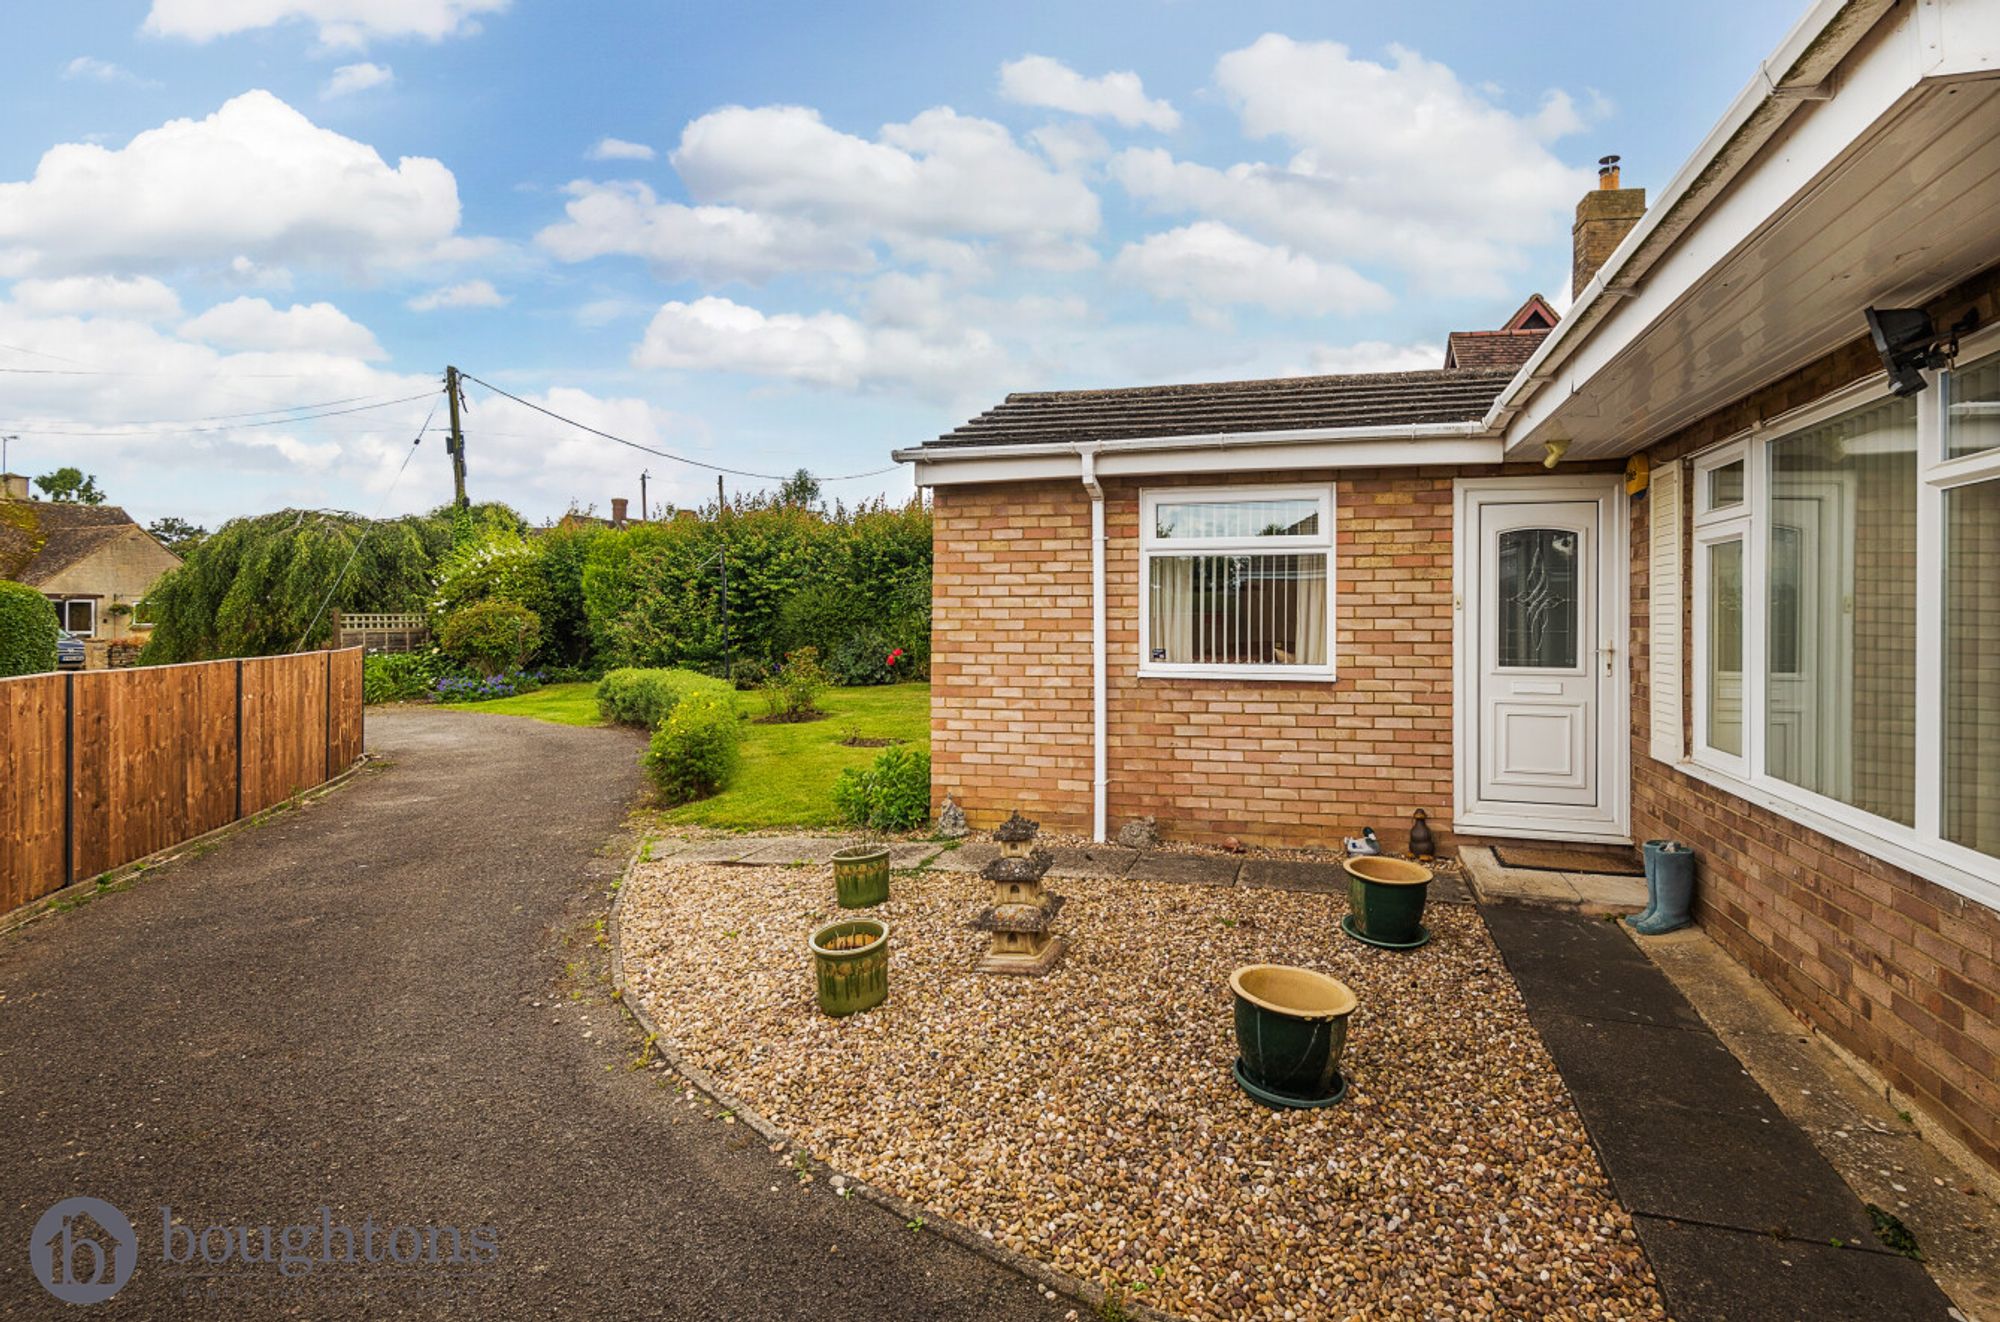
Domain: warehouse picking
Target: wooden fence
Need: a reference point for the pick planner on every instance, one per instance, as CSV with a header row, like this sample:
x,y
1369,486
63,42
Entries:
x,y
381,633
100,767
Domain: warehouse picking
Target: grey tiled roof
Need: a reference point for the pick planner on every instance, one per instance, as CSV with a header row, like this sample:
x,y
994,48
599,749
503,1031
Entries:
x,y
1300,402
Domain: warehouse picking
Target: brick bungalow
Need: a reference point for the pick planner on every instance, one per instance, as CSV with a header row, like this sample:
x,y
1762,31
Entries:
x,y
1686,562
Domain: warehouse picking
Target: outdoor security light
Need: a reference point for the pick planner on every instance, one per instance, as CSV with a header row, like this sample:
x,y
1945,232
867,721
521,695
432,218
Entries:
x,y
1909,344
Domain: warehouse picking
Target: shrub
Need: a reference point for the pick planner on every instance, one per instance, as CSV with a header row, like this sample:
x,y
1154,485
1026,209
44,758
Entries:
x,y
792,693
892,795
466,688
820,615
747,675
696,751
646,698
491,636
401,676
863,659
27,630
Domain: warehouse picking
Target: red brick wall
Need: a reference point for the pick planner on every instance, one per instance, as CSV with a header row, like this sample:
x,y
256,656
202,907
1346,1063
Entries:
x,y
1899,971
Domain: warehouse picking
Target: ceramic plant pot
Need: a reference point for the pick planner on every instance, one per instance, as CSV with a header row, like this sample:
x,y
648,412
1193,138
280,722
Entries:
x,y
851,965
1291,1027
1385,902
861,876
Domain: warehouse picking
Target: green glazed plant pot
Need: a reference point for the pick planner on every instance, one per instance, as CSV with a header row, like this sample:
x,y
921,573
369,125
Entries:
x,y
1385,897
861,876
851,978
1291,1027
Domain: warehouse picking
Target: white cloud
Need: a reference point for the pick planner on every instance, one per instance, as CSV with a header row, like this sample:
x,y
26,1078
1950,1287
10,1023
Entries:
x,y
1401,163
102,71
942,175
821,348
252,323
470,294
1375,356
1037,80
340,23
1072,145
143,297
256,179
546,467
707,243
1206,264
617,149
351,78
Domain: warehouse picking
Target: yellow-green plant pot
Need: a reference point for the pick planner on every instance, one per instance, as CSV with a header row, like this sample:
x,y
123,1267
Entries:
x,y
851,978
861,876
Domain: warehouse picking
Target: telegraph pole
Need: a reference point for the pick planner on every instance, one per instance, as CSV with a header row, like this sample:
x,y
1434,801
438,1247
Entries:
x,y
455,444
643,475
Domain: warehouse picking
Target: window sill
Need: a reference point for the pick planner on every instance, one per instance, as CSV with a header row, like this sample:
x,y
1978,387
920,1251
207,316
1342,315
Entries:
x,y
1243,674
1959,870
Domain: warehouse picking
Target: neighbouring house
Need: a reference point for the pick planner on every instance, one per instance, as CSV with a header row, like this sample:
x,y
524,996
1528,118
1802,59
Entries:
x,y
576,518
92,562
1687,563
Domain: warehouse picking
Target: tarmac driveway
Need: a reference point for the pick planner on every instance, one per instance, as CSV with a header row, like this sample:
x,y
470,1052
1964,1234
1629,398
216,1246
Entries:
x,y
357,1022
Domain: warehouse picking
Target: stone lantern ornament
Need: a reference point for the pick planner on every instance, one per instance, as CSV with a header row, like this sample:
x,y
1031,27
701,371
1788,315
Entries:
x,y
1022,911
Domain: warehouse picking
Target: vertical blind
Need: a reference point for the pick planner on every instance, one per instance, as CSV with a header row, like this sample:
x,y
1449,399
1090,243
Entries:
x,y
1238,609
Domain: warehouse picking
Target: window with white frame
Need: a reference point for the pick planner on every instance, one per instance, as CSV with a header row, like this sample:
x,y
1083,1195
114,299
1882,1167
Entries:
x,y
79,616
1237,581
1847,618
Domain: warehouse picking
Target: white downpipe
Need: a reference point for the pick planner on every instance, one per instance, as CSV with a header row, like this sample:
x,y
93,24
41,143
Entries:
x,y
1100,779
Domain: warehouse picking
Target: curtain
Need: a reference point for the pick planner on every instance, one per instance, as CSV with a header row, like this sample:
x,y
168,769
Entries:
x,y
1173,609
1312,610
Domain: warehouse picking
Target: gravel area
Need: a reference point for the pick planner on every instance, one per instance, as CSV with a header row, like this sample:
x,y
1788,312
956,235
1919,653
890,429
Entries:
x,y
1089,1120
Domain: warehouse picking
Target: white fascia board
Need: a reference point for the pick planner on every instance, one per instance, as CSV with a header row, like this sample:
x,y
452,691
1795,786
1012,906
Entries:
x,y
1805,58
1351,447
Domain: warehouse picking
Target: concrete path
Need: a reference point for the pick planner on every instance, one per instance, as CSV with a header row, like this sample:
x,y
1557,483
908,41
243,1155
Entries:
x,y
389,1005
1742,1217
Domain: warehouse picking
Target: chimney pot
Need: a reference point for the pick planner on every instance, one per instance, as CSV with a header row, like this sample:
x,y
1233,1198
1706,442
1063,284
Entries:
x,y
1607,172
618,505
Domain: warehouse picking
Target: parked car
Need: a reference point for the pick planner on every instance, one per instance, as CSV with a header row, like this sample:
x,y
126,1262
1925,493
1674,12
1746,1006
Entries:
x,y
69,650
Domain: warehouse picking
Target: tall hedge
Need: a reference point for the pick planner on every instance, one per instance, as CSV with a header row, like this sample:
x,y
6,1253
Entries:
x,y
255,586
27,630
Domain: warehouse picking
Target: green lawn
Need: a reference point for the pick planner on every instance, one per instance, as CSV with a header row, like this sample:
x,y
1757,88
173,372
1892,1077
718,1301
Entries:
x,y
788,770
565,704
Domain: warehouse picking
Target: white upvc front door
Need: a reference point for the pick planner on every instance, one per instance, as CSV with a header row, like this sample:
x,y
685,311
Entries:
x,y
1541,702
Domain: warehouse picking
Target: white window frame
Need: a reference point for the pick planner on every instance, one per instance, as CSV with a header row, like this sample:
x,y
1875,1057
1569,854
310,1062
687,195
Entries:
x,y
1152,545
62,606
1921,848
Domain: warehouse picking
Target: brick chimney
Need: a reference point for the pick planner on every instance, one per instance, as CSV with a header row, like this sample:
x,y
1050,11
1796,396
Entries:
x,y
1603,219
618,505
13,486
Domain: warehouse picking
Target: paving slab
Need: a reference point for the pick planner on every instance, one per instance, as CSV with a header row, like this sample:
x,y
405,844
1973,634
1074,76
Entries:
x,y
722,850
794,849
1606,894
967,858
1584,967
1186,869
1288,874
1092,861
912,854
1714,1275
1616,1058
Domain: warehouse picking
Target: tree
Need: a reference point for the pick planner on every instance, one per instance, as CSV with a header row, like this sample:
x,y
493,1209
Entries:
x,y
177,535
69,486
800,490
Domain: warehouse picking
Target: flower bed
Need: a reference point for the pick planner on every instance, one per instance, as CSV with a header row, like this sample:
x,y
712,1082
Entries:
x,y
1088,1118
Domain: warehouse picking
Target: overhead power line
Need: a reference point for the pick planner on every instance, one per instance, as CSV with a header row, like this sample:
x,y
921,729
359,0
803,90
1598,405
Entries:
x,y
137,429
664,454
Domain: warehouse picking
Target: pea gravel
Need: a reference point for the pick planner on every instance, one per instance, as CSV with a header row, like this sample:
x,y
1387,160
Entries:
x,y
1088,1118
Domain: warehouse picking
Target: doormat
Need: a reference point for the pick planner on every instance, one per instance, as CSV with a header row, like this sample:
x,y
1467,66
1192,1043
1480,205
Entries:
x,y
1601,861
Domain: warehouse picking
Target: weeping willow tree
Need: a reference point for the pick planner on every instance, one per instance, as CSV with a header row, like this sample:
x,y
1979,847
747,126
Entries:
x,y
267,584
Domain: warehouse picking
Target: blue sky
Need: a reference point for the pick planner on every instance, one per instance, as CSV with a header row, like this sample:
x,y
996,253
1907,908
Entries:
x,y
817,232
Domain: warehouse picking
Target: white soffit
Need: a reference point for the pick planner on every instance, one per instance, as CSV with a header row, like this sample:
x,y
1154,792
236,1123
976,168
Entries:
x,y
1884,194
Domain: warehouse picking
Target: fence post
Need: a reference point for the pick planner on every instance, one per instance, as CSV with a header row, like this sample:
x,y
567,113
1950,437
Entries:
x,y
69,779
326,744
239,739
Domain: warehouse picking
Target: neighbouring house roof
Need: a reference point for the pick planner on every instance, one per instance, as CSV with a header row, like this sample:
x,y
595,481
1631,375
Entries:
x,y
39,539
1375,399
1492,350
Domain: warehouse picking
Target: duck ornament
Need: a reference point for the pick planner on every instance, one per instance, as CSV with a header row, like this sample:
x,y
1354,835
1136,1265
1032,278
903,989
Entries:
x,y
1364,845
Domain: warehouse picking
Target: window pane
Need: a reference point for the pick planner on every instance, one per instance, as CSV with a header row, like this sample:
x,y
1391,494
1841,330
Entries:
x,y
1725,485
76,617
1972,667
1972,408
1725,648
1840,707
1538,605
1262,610
1237,518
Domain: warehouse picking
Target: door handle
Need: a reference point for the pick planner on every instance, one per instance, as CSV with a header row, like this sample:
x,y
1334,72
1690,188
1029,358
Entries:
x,y
1609,652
